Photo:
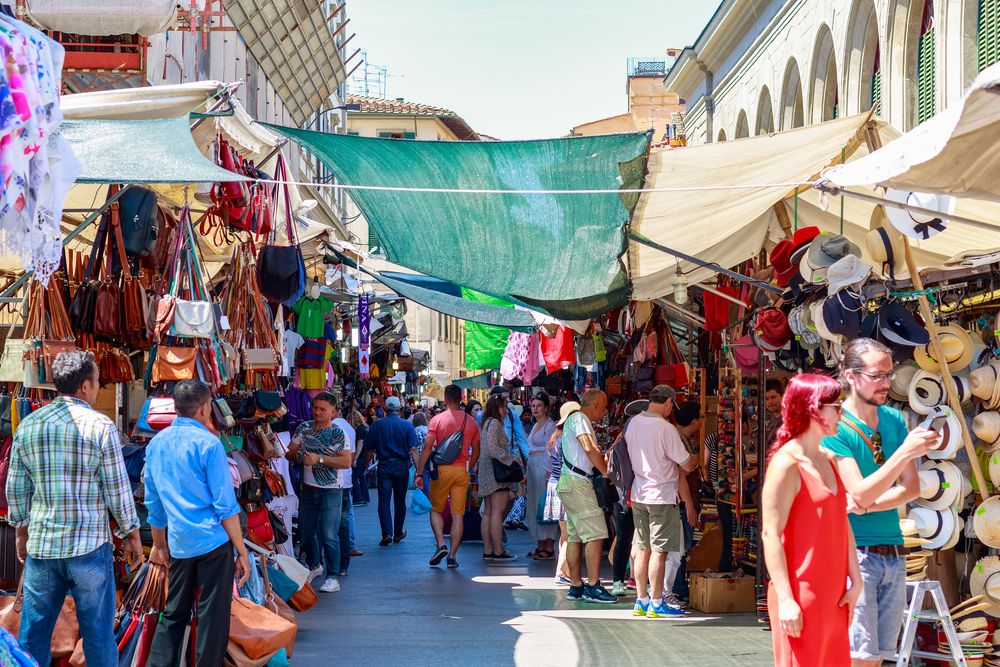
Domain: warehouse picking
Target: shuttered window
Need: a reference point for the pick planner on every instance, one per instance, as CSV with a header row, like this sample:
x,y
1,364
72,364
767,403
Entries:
x,y
374,247
989,33
877,81
925,66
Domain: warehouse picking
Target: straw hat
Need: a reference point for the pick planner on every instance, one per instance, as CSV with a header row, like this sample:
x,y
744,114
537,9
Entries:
x,y
568,408
941,528
985,581
911,540
985,384
885,247
995,469
986,426
926,392
900,387
986,522
940,484
956,345
951,433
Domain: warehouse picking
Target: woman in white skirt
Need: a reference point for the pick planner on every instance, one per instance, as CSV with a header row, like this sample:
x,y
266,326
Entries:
x,y
539,468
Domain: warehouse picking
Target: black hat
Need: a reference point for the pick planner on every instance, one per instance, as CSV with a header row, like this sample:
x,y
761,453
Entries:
x,y
897,325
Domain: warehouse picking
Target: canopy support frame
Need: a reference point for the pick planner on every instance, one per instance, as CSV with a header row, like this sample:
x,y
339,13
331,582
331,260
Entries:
x,y
826,187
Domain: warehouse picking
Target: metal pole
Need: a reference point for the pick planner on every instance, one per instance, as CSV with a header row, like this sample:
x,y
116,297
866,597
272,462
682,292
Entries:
x,y
835,191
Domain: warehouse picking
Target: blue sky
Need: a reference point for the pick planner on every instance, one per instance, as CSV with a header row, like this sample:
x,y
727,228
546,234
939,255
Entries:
x,y
519,69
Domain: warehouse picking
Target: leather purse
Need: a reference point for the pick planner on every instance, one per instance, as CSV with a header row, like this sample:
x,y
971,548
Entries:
x,y
304,598
193,319
261,443
262,358
616,385
67,630
257,630
259,528
267,402
644,379
174,363
12,361
280,268
222,416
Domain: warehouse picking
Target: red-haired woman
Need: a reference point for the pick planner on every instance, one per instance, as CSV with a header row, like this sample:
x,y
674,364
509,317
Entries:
x,y
808,543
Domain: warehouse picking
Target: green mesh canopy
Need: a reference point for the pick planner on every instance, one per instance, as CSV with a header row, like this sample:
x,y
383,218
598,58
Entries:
x,y
140,151
559,253
484,343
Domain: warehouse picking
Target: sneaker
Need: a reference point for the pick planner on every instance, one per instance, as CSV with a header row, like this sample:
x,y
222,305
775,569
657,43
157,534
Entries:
x,y
630,584
662,610
355,553
331,585
342,573
598,594
563,580
618,589
439,555
315,572
399,538
488,557
640,609
385,541
574,592
674,601
506,555
452,563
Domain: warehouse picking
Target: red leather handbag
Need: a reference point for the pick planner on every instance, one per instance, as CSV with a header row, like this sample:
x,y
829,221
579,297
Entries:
x,y
259,527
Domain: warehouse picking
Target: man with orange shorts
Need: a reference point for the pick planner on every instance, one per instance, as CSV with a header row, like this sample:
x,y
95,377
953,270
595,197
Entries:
x,y
452,483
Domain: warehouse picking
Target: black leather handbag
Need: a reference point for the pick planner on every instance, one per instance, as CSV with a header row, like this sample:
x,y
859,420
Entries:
x,y
507,473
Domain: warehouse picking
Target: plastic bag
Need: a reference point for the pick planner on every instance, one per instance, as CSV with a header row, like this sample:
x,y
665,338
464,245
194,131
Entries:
x,y
419,502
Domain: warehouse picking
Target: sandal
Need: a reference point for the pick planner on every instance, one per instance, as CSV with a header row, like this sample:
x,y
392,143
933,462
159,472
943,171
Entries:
x,y
542,554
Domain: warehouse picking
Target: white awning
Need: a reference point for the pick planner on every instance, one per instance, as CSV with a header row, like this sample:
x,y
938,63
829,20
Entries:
x,y
726,226
957,152
146,103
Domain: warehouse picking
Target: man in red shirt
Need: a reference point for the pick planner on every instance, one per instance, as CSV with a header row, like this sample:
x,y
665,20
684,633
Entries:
x,y
452,481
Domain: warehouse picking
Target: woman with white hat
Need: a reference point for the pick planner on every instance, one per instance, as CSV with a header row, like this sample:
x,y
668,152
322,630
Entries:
x,y
808,543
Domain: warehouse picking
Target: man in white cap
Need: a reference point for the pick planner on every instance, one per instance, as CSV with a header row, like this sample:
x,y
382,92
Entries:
x,y
395,443
876,460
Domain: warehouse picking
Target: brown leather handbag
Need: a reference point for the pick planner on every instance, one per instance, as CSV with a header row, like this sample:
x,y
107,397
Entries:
x,y
258,631
67,630
304,598
174,363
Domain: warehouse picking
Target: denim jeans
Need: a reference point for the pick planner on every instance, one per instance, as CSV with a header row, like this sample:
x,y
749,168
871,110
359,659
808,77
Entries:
x,y
878,616
344,533
352,537
320,512
393,477
726,518
360,489
90,580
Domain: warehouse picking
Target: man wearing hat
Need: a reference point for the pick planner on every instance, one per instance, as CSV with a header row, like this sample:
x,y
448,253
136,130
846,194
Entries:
x,y
658,456
876,460
395,443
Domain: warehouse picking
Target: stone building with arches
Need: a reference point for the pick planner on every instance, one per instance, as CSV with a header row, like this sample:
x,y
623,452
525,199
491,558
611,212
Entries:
x,y
762,66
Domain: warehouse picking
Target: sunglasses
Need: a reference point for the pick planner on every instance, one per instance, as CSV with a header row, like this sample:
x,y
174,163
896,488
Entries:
x,y
877,452
837,405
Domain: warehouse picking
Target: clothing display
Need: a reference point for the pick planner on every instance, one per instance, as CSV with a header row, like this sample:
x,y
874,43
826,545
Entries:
x,y
310,312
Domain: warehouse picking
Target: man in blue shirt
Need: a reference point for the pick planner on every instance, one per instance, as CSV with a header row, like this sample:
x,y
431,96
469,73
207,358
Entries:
x,y
876,460
195,520
395,443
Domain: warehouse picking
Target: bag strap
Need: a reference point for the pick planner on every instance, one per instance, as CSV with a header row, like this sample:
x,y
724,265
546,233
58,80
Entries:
x,y
858,430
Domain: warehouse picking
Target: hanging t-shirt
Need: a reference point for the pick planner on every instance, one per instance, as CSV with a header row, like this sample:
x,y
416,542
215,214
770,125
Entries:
x,y
310,312
558,352
291,343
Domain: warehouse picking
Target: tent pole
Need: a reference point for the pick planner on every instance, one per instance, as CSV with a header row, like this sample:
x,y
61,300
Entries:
x,y
835,191
949,381
86,222
639,238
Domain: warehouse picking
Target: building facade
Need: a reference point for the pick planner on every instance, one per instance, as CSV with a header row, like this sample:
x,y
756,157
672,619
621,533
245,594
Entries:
x,y
768,65
442,336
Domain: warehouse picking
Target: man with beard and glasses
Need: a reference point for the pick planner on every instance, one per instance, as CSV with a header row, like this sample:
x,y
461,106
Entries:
x,y
876,460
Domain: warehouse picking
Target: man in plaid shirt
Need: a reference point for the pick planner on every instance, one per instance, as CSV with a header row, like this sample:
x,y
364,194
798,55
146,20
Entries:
x,y
66,474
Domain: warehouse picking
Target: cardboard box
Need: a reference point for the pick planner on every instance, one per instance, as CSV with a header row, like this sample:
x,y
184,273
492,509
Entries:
x,y
714,593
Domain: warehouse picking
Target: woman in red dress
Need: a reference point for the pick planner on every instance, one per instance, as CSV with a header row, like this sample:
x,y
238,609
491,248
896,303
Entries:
x,y
808,543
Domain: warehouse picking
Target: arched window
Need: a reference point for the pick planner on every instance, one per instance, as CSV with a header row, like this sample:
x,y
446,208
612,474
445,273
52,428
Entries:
x,y
742,126
988,46
722,136
825,82
792,113
876,96
765,112
926,107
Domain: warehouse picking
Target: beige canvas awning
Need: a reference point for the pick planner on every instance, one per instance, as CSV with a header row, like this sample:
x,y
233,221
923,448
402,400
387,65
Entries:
x,y
725,215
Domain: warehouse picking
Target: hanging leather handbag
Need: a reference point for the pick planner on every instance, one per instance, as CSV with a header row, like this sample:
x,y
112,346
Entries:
x,y
280,268
222,416
260,359
12,361
67,630
161,413
138,214
257,630
193,319
261,443
82,309
304,598
616,385
166,306
259,528
267,402
644,379
247,468
174,363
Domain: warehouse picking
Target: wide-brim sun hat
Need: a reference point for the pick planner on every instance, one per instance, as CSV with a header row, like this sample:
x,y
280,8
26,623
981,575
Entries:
x,y
900,387
956,346
986,522
951,433
926,392
884,244
847,271
897,325
985,581
911,539
986,426
985,383
919,225
816,313
994,469
940,484
801,324
568,408
632,408
811,275
938,527
826,249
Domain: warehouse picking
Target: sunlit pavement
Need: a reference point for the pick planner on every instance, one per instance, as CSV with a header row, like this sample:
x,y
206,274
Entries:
x,y
393,609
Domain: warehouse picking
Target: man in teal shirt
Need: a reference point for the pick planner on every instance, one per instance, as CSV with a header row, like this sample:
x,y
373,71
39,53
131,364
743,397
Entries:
x,y
875,450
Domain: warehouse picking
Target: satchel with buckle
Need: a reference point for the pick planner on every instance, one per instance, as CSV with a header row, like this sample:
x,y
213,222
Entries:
x,y
174,363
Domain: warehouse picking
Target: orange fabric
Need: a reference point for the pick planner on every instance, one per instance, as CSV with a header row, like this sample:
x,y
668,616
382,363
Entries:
x,y
453,483
815,542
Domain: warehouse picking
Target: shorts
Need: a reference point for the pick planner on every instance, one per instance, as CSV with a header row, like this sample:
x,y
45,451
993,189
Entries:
x,y
452,483
657,527
878,616
584,517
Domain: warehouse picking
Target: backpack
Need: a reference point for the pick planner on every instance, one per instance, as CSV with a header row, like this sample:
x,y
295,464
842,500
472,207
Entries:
x,y
620,464
138,215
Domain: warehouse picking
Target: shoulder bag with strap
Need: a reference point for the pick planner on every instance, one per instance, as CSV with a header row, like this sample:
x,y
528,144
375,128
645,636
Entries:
x,y
604,490
620,464
448,449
